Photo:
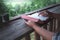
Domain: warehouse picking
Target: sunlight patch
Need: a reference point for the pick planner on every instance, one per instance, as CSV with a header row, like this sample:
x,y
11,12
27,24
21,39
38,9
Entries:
x,y
20,2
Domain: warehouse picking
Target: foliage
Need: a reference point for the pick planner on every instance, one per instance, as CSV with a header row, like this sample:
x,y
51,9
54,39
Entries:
x,y
3,8
13,11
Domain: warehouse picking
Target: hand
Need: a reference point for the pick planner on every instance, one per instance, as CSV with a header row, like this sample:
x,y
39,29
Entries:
x,y
50,14
43,13
30,23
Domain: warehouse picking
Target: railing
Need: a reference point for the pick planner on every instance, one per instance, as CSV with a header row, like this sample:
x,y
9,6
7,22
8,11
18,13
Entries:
x,y
52,26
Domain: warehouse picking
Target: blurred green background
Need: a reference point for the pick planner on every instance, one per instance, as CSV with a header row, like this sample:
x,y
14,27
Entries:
x,y
16,7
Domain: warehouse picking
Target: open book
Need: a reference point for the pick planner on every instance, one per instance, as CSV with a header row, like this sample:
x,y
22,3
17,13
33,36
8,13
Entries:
x,y
35,17
38,18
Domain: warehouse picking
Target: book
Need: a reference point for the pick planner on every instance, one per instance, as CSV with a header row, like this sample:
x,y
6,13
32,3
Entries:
x,y
40,18
35,17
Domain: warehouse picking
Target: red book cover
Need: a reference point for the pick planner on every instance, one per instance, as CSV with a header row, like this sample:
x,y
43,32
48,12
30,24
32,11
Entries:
x,y
29,18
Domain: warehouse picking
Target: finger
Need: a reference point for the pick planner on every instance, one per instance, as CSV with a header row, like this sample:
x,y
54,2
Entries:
x,y
29,21
26,23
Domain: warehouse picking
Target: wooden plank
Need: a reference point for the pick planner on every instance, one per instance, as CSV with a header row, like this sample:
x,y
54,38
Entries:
x,y
54,25
27,37
22,36
45,27
51,25
14,29
55,9
58,26
37,36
